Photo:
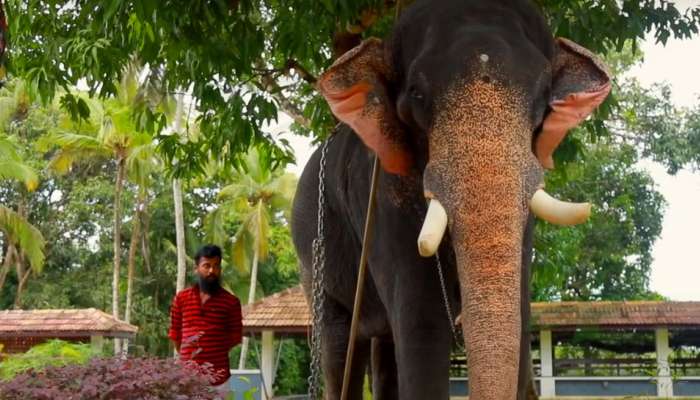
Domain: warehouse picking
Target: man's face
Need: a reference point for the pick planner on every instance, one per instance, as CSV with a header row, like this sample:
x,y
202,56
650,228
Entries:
x,y
209,269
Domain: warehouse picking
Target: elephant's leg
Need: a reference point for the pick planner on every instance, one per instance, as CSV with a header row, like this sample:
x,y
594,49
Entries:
x,y
334,339
422,343
385,384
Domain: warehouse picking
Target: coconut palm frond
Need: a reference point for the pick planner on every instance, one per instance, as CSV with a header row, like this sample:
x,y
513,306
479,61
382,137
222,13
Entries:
x,y
72,141
128,87
142,162
242,242
8,149
236,190
11,169
214,231
283,189
12,166
72,147
7,111
260,228
25,235
169,247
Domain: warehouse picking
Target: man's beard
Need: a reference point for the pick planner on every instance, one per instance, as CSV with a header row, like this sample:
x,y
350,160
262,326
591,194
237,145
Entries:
x,y
209,285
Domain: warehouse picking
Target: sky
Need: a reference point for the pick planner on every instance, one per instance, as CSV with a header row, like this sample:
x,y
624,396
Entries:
x,y
676,268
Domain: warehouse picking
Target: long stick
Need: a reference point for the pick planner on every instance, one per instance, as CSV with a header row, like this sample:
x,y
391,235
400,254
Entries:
x,y
360,279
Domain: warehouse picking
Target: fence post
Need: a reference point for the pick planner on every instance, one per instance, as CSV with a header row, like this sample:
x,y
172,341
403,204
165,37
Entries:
x,y
268,360
547,389
664,381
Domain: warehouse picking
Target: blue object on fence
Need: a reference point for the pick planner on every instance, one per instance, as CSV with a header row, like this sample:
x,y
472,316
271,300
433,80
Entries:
x,y
246,381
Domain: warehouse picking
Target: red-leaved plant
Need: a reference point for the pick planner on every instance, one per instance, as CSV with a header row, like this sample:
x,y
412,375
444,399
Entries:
x,y
113,379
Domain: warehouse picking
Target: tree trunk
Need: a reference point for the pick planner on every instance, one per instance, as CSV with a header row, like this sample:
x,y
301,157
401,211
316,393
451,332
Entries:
x,y
23,277
133,246
6,264
251,297
180,236
20,289
117,244
179,217
145,247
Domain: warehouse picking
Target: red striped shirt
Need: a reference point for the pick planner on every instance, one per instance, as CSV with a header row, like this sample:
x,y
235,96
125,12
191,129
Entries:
x,y
206,331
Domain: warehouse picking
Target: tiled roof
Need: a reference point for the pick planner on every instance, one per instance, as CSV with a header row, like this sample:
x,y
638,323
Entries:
x,y
570,314
287,312
64,323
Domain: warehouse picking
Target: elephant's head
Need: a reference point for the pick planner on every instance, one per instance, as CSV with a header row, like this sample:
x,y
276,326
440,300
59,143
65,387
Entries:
x,y
474,97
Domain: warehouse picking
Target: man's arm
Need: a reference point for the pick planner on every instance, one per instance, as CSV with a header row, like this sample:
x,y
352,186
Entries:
x,y
236,323
175,331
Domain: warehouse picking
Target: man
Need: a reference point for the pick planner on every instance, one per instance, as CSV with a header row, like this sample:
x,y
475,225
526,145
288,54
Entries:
x,y
205,319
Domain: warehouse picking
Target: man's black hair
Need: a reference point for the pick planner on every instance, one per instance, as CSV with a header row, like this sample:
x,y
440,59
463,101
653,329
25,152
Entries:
x,y
209,251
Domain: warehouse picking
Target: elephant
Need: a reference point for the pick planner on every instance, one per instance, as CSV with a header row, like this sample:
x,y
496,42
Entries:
x,y
463,104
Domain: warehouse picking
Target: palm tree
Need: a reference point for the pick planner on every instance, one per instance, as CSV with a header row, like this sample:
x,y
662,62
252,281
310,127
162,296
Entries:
x,y
23,241
141,165
109,133
257,195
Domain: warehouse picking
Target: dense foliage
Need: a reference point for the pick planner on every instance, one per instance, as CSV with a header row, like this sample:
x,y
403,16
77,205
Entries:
x,y
112,378
243,60
51,353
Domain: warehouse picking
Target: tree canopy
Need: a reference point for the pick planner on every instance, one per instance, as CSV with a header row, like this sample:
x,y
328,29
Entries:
x,y
243,60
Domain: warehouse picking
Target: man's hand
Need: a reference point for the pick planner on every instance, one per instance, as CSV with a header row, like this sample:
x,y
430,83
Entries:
x,y
177,346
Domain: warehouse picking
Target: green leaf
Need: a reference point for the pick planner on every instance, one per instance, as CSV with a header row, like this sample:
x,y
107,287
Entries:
x,y
23,234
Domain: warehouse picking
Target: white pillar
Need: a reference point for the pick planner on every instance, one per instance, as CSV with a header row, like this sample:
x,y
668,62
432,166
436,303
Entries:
x,y
268,361
664,381
546,366
97,342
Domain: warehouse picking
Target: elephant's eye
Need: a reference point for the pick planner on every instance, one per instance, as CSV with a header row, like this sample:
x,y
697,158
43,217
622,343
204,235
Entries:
x,y
415,93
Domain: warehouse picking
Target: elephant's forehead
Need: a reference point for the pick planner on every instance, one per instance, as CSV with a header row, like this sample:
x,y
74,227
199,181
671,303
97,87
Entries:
x,y
479,101
486,54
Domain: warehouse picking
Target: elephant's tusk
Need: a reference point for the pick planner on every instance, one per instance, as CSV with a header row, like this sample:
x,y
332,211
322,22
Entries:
x,y
433,229
558,212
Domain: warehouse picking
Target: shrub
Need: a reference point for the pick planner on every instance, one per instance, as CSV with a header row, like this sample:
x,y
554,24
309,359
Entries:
x,y
53,352
112,379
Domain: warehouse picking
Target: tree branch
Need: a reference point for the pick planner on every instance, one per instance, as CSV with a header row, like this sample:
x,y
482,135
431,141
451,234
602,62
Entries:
x,y
303,72
269,84
271,87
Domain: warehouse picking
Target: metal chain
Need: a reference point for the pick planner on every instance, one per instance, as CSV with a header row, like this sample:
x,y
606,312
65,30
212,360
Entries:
x,y
450,316
318,276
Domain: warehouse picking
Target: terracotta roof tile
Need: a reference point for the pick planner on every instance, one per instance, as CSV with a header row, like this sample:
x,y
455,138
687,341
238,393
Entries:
x,y
611,314
287,311
85,322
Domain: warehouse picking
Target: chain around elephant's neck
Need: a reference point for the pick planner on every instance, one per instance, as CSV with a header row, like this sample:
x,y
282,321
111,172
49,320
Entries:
x,y
318,276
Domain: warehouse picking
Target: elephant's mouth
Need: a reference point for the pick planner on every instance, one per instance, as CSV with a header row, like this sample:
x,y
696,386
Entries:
x,y
542,205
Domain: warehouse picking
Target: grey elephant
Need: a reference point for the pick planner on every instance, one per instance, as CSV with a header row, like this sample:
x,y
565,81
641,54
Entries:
x,y
463,104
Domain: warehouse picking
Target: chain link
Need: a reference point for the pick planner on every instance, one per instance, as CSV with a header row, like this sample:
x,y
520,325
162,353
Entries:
x,y
450,316
317,278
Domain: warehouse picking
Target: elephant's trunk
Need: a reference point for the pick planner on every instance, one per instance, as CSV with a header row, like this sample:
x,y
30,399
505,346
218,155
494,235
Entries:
x,y
483,172
487,242
487,213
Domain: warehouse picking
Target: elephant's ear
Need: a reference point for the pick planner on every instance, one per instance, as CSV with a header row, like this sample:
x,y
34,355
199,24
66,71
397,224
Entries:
x,y
355,88
580,82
